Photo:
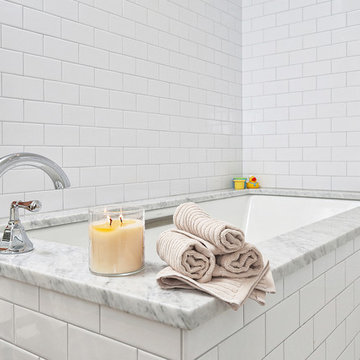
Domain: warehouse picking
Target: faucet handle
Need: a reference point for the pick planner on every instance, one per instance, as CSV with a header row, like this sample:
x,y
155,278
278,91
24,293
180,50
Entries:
x,y
32,205
15,239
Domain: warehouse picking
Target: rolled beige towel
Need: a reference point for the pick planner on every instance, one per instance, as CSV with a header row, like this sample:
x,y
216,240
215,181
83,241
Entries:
x,y
191,218
186,255
245,262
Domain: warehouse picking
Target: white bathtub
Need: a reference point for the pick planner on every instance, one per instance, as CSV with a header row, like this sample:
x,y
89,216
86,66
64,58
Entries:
x,y
260,216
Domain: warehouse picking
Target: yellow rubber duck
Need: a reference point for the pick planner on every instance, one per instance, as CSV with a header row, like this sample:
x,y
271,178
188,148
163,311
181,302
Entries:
x,y
252,183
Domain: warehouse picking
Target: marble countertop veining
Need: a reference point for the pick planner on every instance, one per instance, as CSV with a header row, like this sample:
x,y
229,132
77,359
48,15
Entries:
x,y
64,268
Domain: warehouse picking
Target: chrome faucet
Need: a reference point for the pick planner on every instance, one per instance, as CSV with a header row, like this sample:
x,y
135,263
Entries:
x,y
15,239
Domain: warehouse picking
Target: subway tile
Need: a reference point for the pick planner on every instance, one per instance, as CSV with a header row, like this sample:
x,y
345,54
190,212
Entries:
x,y
297,280
82,115
344,251
48,337
210,355
108,79
335,343
11,61
344,304
319,353
352,325
78,156
22,87
61,135
79,197
135,191
142,355
91,96
276,354
12,352
109,194
21,40
236,346
278,325
42,112
76,32
300,344
77,74
94,176
324,323
35,181
94,57
41,22
134,12
93,17
70,309
122,100
87,345
323,263
108,41
22,134
68,9
112,6
61,92
11,109
6,321
198,340
61,49
352,268
312,298
148,335
348,353
335,281
10,14
109,156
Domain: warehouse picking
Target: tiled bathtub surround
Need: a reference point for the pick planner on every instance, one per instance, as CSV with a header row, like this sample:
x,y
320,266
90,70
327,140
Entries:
x,y
301,93
315,314
64,268
134,99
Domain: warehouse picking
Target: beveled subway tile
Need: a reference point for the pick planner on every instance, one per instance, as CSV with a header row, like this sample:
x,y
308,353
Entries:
x,y
70,309
41,334
152,336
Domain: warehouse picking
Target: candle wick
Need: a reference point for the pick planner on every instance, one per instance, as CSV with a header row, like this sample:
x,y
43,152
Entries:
x,y
110,220
121,220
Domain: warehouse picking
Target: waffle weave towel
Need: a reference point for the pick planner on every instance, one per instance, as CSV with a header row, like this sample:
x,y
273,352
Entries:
x,y
225,237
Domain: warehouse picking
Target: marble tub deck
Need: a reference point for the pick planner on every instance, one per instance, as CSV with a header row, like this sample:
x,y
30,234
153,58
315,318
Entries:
x,y
64,268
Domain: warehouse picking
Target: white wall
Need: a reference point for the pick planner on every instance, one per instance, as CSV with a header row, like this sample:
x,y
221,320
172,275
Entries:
x,y
134,99
301,93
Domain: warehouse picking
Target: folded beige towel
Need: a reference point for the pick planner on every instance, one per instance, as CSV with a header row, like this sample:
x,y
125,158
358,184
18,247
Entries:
x,y
174,245
191,218
245,262
186,255
231,290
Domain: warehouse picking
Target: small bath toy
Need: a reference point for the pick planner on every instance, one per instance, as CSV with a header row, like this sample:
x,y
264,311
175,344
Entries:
x,y
252,183
239,183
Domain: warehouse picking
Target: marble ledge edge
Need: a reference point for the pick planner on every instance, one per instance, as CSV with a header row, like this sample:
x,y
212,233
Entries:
x,y
62,217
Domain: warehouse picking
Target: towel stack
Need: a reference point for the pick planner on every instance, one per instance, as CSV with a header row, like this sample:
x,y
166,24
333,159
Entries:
x,y
212,256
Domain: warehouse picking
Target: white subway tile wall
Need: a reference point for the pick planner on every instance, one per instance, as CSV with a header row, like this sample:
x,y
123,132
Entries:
x,y
134,99
301,94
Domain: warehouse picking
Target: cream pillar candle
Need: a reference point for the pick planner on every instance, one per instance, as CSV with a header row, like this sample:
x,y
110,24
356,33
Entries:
x,y
116,244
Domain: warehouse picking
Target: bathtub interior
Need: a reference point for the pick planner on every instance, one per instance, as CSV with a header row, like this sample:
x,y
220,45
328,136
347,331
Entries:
x,y
261,217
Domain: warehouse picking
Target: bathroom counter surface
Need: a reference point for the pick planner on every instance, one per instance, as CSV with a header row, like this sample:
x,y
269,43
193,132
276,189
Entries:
x,y
64,268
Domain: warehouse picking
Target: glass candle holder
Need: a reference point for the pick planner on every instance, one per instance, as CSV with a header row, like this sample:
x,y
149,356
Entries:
x,y
116,240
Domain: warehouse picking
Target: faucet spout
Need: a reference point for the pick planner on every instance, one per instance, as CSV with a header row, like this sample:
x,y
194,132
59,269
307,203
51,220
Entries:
x,y
55,172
